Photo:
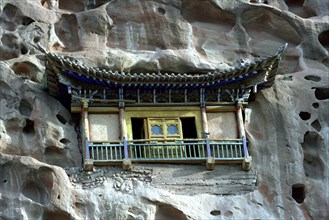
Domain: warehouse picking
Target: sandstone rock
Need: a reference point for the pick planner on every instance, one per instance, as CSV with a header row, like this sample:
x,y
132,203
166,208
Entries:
x,y
34,124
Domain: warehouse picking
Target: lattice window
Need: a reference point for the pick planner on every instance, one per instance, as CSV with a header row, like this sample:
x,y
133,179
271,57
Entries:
x,y
164,128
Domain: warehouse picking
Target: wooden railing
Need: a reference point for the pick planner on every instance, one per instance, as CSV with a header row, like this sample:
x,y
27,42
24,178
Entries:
x,y
150,150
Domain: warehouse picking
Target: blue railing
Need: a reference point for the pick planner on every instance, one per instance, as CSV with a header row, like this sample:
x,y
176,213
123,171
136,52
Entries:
x,y
148,150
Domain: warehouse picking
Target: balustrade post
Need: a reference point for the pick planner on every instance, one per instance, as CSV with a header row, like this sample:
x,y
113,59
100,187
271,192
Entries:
x,y
208,144
125,147
245,150
210,162
87,149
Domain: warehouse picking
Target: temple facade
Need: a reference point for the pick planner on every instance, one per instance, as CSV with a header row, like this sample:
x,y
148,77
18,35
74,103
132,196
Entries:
x,y
160,117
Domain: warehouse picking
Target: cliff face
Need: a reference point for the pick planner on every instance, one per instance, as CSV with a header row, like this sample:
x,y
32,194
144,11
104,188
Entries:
x,y
287,124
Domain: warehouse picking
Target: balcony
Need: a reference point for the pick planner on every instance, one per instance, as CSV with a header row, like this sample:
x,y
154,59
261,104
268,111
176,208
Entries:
x,y
187,151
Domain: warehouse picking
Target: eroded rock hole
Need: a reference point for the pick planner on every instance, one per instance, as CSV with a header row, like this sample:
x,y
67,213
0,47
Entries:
x,y
161,11
36,192
56,156
312,141
298,192
304,115
312,78
9,47
324,39
74,6
67,30
15,14
316,125
27,21
11,11
215,212
29,128
53,150
228,213
25,69
24,50
5,181
64,141
294,3
25,108
36,39
50,215
313,164
169,212
315,105
322,93
61,119
45,4
297,7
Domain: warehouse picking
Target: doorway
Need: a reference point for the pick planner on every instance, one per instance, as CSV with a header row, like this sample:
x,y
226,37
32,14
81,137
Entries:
x,y
189,128
138,128
190,132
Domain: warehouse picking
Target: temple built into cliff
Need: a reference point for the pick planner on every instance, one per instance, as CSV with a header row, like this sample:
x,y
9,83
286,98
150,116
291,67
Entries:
x,y
160,117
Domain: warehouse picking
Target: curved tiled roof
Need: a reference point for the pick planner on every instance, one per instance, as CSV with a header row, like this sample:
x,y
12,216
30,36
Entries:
x,y
74,68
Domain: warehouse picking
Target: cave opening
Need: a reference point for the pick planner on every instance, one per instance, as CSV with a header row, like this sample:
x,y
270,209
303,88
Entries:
x,y
61,119
321,93
297,7
64,141
25,69
324,39
316,125
25,108
304,115
312,78
315,105
298,192
295,3
215,212
161,11
29,127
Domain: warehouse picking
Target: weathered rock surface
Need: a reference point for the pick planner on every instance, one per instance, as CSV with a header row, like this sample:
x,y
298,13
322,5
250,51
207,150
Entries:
x,y
32,123
287,125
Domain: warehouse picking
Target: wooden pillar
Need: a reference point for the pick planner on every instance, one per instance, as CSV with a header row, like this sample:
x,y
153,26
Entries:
x,y
126,162
246,163
87,161
210,162
123,124
204,120
239,117
85,126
